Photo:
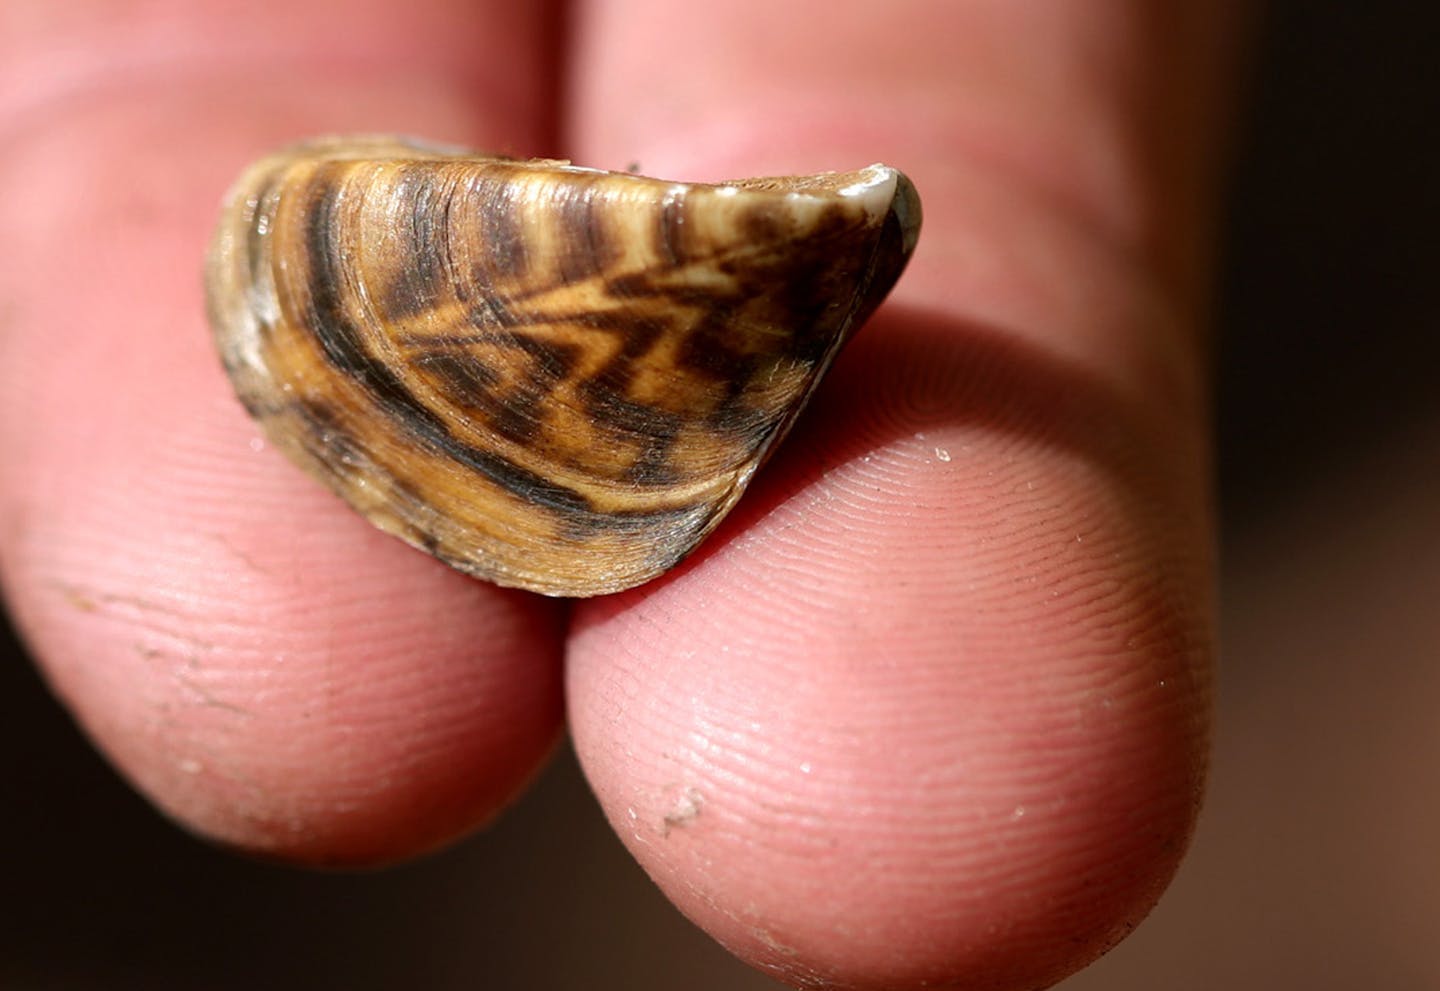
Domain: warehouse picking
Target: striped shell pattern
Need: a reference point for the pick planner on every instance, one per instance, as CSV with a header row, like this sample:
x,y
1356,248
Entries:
x,y
549,377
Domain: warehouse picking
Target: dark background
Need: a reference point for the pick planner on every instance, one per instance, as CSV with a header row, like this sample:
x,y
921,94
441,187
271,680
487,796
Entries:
x,y
1330,302
1328,414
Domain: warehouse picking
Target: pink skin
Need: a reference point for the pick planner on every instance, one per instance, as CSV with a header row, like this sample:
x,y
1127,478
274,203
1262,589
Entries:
x,y
931,707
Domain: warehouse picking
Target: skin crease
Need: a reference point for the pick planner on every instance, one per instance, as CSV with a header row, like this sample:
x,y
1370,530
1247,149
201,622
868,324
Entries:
x,y
930,710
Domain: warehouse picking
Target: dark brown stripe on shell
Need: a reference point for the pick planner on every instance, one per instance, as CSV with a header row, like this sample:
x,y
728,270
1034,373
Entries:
x,y
426,276
522,412
342,346
588,248
622,415
495,201
672,520
464,380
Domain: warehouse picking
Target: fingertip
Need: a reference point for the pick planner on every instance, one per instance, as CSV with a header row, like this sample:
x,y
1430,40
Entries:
x,y
932,708
271,672
867,819
266,668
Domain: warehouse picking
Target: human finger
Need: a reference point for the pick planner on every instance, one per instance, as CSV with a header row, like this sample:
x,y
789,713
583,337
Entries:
x,y
931,708
258,661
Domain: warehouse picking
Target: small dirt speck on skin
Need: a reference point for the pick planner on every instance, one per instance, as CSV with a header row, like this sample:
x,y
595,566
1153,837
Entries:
x,y
78,599
684,809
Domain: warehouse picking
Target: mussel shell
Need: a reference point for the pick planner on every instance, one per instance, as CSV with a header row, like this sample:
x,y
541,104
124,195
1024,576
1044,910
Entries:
x,y
546,376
